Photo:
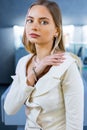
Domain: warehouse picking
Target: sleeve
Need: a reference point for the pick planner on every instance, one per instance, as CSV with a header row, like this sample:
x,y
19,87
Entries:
x,y
73,91
18,93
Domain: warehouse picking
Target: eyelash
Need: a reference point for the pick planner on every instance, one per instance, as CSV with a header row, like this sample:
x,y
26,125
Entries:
x,y
42,22
29,21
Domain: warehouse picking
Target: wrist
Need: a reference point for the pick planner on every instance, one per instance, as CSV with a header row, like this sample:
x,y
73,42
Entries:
x,y
32,77
29,83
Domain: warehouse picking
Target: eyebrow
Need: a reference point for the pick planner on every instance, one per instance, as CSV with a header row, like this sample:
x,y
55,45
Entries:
x,y
39,18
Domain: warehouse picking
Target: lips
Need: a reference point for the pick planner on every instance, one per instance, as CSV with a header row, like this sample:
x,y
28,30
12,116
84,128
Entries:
x,y
34,35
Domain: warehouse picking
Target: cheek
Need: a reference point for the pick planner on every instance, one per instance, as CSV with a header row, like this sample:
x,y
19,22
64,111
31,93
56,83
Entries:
x,y
27,28
50,32
27,32
47,33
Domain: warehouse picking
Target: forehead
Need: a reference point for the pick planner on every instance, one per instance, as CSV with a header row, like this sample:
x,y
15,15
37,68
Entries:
x,y
39,11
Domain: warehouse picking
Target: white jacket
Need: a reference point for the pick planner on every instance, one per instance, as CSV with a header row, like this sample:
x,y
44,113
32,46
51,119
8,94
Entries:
x,y
56,102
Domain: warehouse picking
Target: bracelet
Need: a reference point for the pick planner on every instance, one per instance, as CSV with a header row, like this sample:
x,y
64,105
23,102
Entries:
x,y
35,74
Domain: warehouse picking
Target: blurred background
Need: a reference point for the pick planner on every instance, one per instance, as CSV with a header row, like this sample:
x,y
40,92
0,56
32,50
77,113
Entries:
x,y
12,18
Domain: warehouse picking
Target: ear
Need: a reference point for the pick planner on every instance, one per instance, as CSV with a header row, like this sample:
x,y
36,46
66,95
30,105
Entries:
x,y
57,32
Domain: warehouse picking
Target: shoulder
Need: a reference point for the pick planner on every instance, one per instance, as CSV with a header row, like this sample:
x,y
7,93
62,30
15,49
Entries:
x,y
24,58
63,67
73,58
68,60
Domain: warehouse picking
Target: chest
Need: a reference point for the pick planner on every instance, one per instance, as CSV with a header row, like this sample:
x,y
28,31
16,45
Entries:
x,y
47,93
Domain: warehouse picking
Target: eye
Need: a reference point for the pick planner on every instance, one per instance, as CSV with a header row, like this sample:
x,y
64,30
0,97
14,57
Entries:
x,y
29,21
44,22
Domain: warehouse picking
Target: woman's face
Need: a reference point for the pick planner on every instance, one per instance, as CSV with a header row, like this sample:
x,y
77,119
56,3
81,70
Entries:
x,y
40,27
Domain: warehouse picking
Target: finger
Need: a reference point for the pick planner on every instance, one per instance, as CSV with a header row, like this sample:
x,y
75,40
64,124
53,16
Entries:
x,y
58,57
54,61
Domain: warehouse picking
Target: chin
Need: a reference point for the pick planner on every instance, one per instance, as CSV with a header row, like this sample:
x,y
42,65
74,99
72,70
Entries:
x,y
33,41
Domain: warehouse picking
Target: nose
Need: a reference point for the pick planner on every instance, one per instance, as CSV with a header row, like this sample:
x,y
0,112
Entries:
x,y
35,25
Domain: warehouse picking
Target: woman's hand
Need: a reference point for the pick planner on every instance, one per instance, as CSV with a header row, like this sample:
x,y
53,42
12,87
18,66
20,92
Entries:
x,y
42,66
51,60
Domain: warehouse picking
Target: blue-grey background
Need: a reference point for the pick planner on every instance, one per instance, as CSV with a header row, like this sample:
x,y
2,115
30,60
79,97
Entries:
x,y
12,12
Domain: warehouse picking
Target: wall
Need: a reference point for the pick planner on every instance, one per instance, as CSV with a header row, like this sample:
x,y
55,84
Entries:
x,y
7,50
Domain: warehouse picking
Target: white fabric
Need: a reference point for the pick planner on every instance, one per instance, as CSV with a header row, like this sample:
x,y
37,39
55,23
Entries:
x,y
56,102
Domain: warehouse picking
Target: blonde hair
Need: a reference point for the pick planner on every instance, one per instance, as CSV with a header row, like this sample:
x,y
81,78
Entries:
x,y
56,15
78,61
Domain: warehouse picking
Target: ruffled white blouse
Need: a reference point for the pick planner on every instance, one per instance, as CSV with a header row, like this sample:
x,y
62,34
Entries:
x,y
56,102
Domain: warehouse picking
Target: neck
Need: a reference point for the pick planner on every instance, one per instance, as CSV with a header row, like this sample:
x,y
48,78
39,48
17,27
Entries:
x,y
42,52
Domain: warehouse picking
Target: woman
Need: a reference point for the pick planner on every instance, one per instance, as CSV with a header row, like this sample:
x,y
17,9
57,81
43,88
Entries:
x,y
47,81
